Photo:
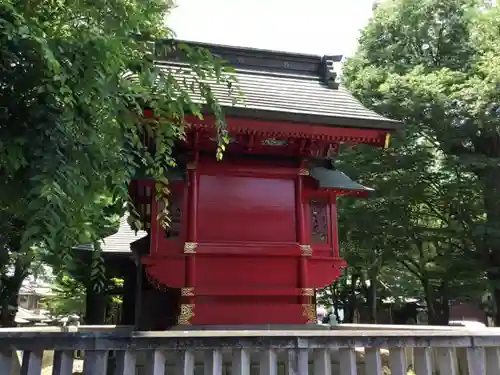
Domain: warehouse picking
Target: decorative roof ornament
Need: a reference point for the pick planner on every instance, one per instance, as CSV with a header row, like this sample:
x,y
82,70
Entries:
x,y
274,142
329,73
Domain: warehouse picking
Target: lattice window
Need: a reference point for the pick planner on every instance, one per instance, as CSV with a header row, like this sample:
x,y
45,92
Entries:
x,y
175,209
319,221
175,213
144,204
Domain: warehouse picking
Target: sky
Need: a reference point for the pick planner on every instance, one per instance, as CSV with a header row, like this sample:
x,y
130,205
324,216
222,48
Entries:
x,y
319,27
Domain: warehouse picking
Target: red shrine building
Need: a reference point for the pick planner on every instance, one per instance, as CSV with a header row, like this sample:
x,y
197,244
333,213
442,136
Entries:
x,y
254,235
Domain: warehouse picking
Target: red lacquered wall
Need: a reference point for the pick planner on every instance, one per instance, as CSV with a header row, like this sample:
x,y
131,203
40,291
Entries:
x,y
254,223
248,311
245,209
248,272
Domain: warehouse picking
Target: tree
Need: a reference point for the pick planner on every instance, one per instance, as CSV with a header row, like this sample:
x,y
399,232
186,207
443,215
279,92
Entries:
x,y
70,294
68,298
70,119
434,65
406,230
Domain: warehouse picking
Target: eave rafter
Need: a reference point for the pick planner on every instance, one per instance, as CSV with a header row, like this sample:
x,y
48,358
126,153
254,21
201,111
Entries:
x,y
273,137
297,132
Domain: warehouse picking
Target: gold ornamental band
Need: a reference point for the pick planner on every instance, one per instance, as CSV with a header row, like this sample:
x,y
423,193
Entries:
x,y
190,247
187,292
303,172
306,250
307,292
387,141
187,313
309,312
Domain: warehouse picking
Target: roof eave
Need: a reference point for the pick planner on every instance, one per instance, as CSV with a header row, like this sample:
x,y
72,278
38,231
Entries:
x,y
313,119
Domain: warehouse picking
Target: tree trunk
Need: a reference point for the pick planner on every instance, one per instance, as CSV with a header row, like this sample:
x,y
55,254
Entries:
x,y
438,309
337,305
95,307
373,299
9,299
489,246
351,302
429,300
442,307
496,314
494,279
7,319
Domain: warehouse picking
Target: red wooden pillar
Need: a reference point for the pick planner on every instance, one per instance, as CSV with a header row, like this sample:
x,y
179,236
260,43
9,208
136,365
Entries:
x,y
299,206
334,225
188,293
306,293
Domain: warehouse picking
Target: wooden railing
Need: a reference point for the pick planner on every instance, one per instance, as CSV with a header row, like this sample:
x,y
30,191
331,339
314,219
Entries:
x,y
247,352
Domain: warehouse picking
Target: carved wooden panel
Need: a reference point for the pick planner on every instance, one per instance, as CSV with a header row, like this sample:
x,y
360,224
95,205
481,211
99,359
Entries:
x,y
175,213
319,221
143,200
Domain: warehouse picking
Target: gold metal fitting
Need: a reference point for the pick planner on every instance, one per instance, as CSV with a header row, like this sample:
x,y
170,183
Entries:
x,y
309,312
306,250
187,292
187,313
307,292
190,247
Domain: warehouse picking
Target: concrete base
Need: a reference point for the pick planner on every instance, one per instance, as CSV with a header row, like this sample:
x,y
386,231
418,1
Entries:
x,y
263,327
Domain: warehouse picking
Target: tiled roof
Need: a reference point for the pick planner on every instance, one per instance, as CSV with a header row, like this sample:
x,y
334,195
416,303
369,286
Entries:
x,y
284,86
25,316
118,242
290,96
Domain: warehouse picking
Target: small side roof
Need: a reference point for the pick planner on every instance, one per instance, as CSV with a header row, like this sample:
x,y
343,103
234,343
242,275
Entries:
x,y
282,87
118,242
336,180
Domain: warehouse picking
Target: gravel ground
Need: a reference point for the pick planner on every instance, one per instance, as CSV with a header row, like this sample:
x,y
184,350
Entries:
x,y
77,368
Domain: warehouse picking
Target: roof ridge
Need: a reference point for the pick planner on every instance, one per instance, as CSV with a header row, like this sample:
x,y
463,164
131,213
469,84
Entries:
x,y
252,50
258,72
278,74
251,58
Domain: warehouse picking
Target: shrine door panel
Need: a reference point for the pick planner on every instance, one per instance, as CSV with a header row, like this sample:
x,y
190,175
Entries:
x,y
247,272
232,208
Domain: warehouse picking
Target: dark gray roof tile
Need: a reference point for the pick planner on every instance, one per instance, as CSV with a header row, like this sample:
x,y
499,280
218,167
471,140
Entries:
x,y
291,97
119,241
282,86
